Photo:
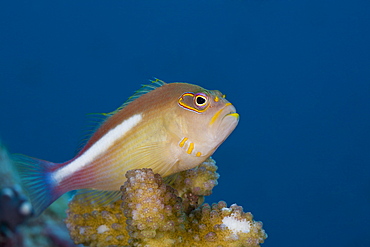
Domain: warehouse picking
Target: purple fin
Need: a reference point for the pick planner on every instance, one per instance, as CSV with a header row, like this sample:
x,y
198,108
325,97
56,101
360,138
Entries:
x,y
36,180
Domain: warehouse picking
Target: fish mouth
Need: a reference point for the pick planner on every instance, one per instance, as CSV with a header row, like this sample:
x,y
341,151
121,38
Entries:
x,y
229,121
226,122
231,112
223,124
231,115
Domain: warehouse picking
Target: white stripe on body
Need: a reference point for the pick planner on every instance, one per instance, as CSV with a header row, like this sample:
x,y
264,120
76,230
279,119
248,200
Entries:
x,y
99,147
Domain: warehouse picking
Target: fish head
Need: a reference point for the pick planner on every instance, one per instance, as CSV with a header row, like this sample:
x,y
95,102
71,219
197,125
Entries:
x,y
209,118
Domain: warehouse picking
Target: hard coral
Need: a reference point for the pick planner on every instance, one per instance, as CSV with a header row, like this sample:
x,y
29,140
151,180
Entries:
x,y
95,225
152,213
192,185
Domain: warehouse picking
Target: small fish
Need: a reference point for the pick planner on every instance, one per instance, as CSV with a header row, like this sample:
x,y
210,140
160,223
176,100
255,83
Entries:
x,y
166,127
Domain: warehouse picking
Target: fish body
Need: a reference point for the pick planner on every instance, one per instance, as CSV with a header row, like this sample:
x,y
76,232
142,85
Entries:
x,y
166,127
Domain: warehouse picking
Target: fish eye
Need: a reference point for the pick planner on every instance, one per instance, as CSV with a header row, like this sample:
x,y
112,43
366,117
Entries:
x,y
200,100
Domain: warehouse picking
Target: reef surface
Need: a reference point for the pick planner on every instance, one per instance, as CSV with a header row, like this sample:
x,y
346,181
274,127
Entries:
x,y
157,212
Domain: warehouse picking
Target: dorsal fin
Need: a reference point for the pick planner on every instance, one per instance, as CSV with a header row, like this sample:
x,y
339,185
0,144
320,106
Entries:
x,y
145,88
97,119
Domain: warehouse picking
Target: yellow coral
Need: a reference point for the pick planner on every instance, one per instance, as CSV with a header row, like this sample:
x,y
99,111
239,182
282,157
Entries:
x,y
222,226
192,185
94,225
151,213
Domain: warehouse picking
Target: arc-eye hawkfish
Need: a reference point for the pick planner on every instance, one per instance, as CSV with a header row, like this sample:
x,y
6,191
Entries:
x,y
166,127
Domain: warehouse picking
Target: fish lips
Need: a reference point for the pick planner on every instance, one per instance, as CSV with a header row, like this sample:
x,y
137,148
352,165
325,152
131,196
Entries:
x,y
228,120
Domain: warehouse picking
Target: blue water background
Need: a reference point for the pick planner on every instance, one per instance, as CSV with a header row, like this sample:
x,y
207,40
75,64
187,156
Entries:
x,y
298,73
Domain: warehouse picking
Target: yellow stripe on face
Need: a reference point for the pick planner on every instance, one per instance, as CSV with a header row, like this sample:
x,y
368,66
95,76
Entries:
x,y
191,147
217,114
234,115
187,94
181,144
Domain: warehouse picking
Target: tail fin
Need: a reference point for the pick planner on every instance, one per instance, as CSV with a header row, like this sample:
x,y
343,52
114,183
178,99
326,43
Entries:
x,y
36,179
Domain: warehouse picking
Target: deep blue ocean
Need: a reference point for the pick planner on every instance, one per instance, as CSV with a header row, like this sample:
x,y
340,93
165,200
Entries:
x,y
298,73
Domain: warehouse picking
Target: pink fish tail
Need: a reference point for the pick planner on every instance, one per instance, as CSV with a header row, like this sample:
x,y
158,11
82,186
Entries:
x,y
37,181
